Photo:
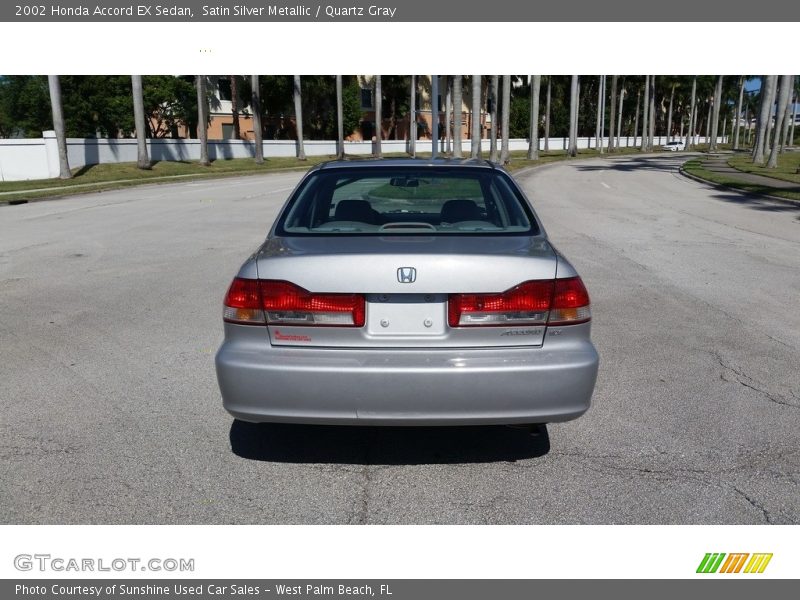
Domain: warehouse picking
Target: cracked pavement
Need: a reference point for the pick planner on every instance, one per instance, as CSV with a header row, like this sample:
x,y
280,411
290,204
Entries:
x,y
110,316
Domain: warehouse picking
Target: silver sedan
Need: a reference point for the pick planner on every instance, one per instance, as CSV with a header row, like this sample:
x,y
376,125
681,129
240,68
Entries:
x,y
407,292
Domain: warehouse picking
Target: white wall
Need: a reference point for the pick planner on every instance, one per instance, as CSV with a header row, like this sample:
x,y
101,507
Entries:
x,y
38,158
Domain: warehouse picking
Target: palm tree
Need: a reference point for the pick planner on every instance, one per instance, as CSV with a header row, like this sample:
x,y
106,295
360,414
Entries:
x,y
780,115
142,160
506,118
412,118
652,117
533,146
636,116
599,112
202,118
258,131
58,125
378,116
493,85
763,119
645,113
448,112
692,116
237,131
712,147
573,117
612,142
457,115
339,119
298,116
476,116
737,122
547,115
669,112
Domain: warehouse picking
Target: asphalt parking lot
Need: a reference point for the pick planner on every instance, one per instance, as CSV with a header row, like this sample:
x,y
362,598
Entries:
x,y
110,314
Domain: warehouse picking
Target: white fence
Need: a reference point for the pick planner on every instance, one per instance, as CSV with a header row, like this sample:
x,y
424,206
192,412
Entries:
x,y
22,159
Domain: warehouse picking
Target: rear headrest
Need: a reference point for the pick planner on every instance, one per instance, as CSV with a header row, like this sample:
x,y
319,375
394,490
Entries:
x,y
354,210
455,211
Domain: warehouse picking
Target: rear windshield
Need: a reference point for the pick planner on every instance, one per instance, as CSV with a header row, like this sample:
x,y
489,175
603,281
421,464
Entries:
x,y
377,201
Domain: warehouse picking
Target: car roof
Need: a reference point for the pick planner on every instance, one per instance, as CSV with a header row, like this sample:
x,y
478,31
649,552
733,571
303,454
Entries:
x,y
423,163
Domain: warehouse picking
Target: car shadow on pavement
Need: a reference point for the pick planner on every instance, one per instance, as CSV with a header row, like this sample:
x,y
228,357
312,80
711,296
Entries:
x,y
384,445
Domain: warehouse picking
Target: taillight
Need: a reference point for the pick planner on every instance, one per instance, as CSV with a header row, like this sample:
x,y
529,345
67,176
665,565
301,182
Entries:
x,y
261,302
243,303
570,303
552,301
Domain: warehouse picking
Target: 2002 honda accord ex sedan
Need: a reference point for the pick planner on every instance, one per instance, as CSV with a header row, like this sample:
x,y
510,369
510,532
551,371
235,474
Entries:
x,y
407,292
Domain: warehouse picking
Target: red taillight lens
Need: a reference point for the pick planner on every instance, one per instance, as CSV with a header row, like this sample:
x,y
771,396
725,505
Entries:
x,y
288,304
570,303
552,301
243,303
258,302
526,304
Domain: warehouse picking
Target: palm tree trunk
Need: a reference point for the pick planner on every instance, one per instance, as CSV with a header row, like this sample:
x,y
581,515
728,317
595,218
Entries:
x,y
652,117
458,102
493,85
448,114
476,116
572,150
794,120
547,115
770,135
412,118
737,124
669,113
504,156
780,114
645,113
237,131
636,118
378,117
622,93
339,119
599,112
787,116
142,159
533,145
612,113
717,109
258,130
56,106
690,123
297,92
202,119
762,122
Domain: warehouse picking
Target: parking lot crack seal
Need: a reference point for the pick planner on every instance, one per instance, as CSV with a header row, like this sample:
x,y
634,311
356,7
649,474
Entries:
x,y
753,503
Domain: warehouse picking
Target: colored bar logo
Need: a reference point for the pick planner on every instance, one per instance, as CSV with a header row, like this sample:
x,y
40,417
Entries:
x,y
719,562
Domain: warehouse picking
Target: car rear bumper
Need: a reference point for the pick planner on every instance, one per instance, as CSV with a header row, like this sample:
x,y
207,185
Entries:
x,y
263,383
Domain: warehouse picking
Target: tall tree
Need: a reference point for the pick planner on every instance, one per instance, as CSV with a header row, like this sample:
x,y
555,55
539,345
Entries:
x,y
597,131
645,114
715,117
770,134
258,128
378,116
412,118
669,112
202,118
572,150
780,115
692,115
298,116
504,156
476,116
339,119
612,140
763,119
142,159
533,146
237,130
652,118
738,121
448,113
58,125
494,83
636,117
547,114
458,102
